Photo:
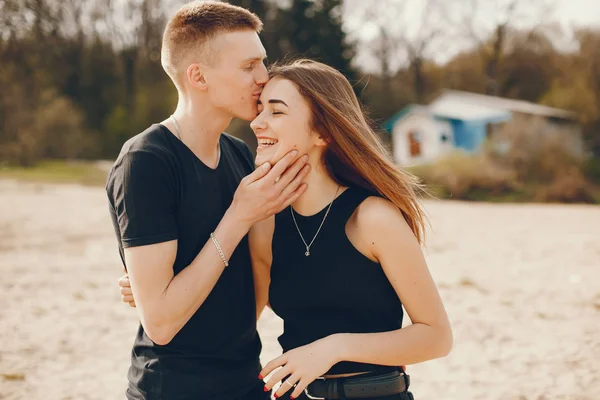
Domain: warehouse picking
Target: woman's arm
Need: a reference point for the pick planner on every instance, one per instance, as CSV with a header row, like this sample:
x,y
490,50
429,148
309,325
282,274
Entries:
x,y
386,238
393,244
260,239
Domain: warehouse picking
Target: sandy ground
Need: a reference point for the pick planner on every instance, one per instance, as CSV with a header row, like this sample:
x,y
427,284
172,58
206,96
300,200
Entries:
x,y
521,284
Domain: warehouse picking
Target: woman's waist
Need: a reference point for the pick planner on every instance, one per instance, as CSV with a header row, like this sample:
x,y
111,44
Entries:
x,y
350,368
300,332
381,384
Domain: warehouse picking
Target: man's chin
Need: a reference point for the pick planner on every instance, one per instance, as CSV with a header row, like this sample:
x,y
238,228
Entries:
x,y
247,115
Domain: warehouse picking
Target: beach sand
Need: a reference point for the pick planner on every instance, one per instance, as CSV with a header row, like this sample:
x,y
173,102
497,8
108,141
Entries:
x,y
521,284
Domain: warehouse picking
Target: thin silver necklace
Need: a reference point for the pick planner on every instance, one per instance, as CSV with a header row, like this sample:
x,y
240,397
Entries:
x,y
178,135
307,253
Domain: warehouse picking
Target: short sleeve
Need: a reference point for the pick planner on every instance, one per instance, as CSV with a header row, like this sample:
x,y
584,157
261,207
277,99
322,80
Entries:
x,y
242,149
249,156
141,189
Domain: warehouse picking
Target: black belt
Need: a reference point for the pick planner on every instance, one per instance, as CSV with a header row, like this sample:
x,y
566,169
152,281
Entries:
x,y
361,386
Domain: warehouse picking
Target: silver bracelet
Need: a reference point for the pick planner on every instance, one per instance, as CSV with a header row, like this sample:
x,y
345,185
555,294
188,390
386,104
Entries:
x,y
218,246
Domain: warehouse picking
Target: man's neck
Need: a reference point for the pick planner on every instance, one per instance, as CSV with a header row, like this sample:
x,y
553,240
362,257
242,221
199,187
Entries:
x,y
200,127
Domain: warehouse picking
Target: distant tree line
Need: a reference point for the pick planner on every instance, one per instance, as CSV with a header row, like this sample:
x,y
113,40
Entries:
x,y
79,77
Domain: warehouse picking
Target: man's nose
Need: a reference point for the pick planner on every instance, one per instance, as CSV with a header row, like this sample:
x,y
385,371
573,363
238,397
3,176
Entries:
x,y
263,75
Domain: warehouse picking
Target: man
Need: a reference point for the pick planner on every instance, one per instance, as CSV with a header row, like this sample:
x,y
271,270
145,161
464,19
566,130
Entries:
x,y
182,210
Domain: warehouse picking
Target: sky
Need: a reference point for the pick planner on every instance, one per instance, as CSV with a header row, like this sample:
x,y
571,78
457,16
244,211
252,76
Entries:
x,y
579,12
568,13
565,14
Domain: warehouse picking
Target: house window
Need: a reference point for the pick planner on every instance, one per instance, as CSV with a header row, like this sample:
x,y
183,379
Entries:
x,y
414,143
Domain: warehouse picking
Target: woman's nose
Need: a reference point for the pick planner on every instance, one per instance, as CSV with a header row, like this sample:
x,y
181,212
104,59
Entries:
x,y
257,124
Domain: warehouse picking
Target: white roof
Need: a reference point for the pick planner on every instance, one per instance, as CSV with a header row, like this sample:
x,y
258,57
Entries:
x,y
462,104
450,108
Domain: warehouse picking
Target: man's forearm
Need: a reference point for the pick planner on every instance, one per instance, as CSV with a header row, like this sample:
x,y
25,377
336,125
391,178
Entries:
x,y
188,290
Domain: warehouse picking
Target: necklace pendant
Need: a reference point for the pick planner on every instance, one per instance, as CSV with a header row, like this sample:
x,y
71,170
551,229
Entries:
x,y
307,252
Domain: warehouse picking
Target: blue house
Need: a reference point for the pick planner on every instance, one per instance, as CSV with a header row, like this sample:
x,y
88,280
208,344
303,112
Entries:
x,y
457,121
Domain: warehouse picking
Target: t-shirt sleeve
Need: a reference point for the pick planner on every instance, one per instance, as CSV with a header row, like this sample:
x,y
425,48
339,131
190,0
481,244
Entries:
x,y
243,148
143,197
249,157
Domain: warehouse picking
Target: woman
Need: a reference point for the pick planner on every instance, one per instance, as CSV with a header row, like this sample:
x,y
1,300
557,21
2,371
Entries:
x,y
346,256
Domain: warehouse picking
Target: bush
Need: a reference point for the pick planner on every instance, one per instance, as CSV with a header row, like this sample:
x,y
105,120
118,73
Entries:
x,y
529,160
536,150
59,128
22,150
18,144
53,129
570,187
468,177
591,169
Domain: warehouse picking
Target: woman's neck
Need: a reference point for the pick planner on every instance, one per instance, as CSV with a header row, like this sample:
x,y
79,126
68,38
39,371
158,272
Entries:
x,y
319,193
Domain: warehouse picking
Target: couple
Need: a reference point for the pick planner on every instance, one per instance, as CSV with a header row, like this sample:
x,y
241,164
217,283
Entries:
x,y
326,231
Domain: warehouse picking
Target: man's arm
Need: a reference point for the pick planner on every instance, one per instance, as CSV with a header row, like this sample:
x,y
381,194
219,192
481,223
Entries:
x,y
166,302
260,239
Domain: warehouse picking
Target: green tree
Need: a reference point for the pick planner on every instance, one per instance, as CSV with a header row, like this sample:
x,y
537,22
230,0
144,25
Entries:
x,y
314,29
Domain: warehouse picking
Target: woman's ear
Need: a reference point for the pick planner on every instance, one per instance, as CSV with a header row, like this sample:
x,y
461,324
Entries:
x,y
319,139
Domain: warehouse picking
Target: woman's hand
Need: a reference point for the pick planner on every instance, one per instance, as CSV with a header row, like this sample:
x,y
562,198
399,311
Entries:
x,y
126,293
302,366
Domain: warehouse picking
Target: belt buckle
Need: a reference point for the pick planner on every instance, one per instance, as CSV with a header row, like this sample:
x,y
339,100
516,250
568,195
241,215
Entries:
x,y
313,397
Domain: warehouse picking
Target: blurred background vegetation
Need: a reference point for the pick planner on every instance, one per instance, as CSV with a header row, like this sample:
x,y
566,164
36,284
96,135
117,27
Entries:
x,y
79,77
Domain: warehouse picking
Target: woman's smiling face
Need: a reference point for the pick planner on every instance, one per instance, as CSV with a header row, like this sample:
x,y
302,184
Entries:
x,y
283,123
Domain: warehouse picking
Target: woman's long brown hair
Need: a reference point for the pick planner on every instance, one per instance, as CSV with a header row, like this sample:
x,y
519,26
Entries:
x,y
354,156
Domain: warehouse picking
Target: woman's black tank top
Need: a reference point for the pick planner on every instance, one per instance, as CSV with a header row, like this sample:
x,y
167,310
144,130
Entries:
x,y
336,289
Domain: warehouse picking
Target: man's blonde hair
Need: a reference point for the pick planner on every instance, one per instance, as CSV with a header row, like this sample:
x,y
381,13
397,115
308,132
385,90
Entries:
x,y
189,31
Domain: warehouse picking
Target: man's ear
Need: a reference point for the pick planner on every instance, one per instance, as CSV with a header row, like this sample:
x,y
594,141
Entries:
x,y
196,77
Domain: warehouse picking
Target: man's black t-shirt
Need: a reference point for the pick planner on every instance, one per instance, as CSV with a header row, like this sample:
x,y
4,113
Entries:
x,y
158,191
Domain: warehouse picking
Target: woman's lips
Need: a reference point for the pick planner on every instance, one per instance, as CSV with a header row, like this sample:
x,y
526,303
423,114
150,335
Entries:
x,y
265,143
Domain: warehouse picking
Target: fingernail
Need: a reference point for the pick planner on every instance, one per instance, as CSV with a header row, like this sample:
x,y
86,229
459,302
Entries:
x,y
305,158
292,397
275,395
295,153
260,376
265,389
266,165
